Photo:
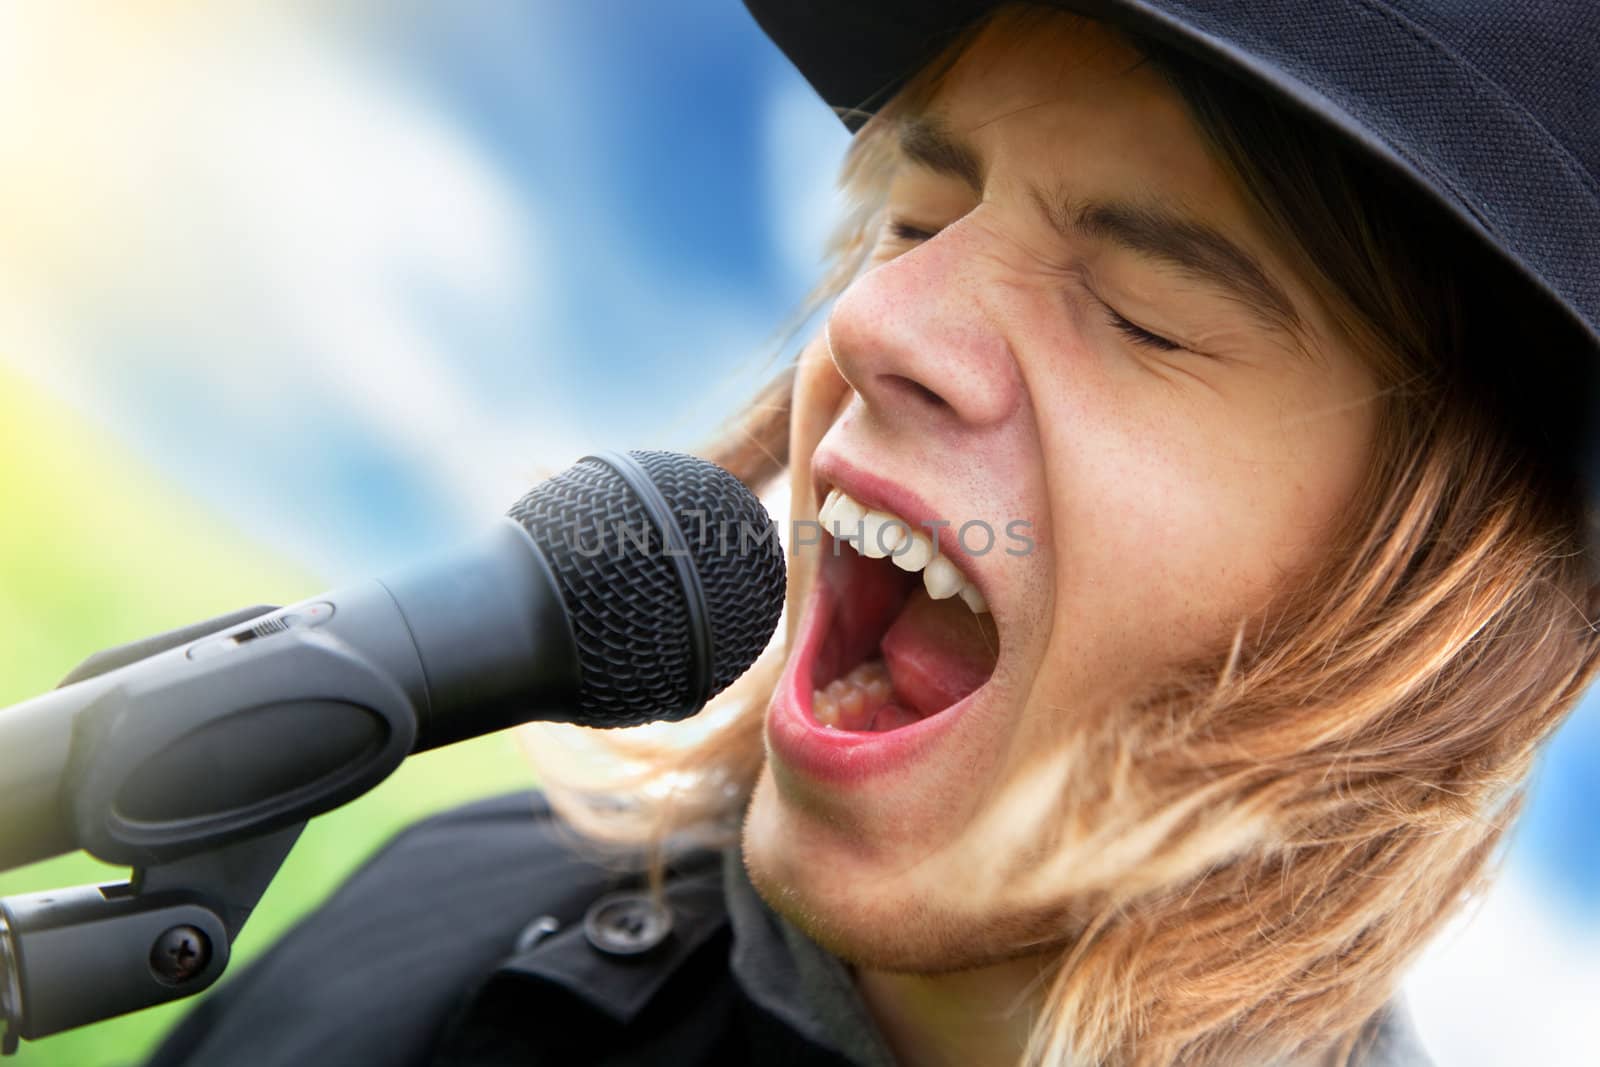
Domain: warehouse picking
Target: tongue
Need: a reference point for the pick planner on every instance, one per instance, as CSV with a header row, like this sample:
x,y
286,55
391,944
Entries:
x,y
937,652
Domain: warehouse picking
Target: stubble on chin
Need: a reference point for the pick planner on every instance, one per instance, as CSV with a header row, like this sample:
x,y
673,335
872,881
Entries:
x,y
887,924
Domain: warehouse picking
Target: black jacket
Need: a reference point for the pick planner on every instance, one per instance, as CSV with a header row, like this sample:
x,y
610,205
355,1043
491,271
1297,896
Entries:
x,y
465,942
481,937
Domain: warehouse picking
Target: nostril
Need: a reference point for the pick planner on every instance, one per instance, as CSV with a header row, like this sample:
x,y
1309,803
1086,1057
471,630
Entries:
x,y
914,389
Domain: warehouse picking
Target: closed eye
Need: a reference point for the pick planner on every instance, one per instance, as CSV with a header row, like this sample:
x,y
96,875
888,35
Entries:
x,y
1138,334
905,231
901,230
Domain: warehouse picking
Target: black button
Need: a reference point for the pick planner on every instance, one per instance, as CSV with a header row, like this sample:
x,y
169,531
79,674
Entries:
x,y
627,923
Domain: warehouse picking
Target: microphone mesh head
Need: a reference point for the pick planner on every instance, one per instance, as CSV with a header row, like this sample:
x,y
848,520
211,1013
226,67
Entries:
x,y
629,609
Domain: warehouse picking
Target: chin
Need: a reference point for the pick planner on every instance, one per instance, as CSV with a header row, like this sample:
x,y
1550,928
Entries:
x,y
874,908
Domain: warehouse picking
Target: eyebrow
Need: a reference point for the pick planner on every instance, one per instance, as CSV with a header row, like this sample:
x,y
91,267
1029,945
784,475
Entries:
x,y
927,141
1148,229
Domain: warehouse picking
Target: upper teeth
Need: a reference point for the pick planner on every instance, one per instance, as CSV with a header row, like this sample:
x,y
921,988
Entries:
x,y
877,534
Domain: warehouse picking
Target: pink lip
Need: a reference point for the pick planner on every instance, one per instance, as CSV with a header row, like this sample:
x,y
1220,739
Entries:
x,y
840,757
874,491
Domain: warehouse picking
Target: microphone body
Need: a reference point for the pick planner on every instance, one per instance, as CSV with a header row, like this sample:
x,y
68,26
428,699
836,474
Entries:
x,y
320,696
270,721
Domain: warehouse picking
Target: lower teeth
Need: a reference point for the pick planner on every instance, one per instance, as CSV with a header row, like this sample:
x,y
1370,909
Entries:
x,y
861,700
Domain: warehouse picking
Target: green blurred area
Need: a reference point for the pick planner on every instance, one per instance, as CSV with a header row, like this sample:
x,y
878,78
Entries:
x,y
96,550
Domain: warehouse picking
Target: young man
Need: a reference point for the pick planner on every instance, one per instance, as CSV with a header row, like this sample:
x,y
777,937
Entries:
x,y
1266,330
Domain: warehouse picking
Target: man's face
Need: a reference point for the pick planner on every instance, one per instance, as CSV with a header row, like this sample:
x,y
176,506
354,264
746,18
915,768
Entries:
x,y
1074,334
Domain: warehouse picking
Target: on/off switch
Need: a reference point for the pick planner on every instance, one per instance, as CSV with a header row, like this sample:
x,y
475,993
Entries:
x,y
301,618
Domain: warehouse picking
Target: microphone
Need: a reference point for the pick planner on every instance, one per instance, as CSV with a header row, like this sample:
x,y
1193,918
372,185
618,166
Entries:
x,y
627,589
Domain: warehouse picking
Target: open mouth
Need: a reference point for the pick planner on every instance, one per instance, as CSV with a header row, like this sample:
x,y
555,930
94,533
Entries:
x,y
905,635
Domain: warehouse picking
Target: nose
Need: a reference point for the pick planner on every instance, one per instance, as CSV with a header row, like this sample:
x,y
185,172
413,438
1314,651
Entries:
x,y
917,339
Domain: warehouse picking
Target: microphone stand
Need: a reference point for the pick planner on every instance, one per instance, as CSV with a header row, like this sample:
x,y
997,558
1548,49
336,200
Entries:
x,y
70,957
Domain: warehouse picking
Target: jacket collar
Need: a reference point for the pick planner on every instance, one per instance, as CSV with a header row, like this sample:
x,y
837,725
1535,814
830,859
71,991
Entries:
x,y
622,985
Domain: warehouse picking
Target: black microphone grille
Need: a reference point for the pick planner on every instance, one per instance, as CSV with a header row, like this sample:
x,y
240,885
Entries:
x,y
672,574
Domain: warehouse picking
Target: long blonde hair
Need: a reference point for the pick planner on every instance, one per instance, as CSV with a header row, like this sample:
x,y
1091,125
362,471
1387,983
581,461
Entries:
x,y
1277,829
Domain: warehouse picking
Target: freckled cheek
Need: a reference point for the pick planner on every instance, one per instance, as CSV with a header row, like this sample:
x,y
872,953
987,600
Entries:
x,y
1155,545
1166,546
1161,547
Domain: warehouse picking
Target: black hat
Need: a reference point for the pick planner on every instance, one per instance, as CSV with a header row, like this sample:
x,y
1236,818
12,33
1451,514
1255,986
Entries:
x,y
1492,107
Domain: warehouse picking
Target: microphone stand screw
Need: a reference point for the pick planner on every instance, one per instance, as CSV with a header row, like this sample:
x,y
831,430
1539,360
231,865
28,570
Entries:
x,y
180,954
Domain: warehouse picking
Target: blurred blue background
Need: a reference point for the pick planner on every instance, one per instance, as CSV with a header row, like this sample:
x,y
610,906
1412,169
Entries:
x,y
353,276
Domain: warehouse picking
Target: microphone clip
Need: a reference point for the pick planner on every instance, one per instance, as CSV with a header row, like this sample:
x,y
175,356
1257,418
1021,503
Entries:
x,y
203,799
